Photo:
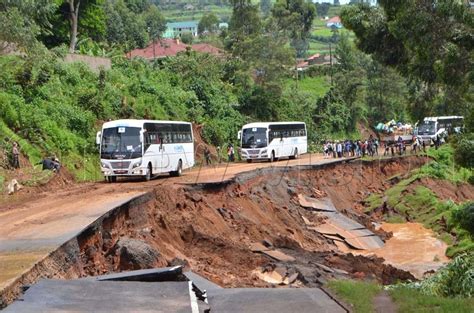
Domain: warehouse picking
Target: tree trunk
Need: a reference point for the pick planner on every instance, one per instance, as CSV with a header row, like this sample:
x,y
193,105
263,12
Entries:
x,y
73,21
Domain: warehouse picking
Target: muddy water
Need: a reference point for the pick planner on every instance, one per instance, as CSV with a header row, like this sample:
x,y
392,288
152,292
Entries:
x,y
413,248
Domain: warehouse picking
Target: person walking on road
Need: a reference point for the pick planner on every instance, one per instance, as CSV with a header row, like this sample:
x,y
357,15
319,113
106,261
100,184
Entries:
x,y
207,156
219,158
16,155
230,153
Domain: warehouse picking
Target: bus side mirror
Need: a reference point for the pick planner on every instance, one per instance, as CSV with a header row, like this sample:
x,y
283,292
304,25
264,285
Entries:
x,y
239,135
142,133
97,138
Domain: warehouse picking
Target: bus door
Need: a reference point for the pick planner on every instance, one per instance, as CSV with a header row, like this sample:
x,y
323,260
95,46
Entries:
x,y
152,153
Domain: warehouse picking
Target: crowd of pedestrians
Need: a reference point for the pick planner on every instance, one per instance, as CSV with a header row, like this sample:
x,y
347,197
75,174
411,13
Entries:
x,y
351,148
370,147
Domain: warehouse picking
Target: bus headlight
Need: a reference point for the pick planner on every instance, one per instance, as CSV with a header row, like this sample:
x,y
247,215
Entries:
x,y
103,164
135,165
264,151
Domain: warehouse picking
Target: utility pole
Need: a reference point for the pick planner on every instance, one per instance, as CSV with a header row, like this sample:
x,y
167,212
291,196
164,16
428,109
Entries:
x,y
330,61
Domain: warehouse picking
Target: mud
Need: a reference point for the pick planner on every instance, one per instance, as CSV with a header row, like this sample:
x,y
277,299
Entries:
x,y
210,227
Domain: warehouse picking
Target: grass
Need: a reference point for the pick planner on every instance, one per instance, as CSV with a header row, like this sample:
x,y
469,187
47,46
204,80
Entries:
x,y
175,15
2,181
84,168
373,201
413,301
33,154
322,31
359,294
315,86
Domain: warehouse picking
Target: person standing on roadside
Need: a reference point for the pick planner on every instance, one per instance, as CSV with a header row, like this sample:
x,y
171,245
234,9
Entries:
x,y
230,153
16,155
207,156
219,154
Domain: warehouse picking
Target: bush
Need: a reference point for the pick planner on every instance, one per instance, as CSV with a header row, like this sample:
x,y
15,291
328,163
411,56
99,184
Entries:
x,y
464,217
470,180
464,151
454,280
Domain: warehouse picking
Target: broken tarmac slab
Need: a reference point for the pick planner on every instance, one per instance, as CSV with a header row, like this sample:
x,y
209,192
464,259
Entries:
x,y
105,296
201,283
174,273
270,300
339,227
279,256
274,254
322,204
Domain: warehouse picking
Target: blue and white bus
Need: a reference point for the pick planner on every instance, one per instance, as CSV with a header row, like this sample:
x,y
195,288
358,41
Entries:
x,y
145,148
271,141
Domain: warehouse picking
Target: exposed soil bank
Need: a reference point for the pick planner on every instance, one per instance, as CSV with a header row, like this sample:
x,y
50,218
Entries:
x,y
210,227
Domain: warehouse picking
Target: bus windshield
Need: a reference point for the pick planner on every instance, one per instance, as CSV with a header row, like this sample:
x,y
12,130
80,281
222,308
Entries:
x,y
121,143
427,128
254,138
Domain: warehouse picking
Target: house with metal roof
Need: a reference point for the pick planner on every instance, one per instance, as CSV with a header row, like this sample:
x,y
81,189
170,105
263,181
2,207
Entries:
x,y
176,29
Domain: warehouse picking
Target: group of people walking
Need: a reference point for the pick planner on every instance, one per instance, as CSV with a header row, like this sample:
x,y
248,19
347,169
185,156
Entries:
x,y
351,148
370,147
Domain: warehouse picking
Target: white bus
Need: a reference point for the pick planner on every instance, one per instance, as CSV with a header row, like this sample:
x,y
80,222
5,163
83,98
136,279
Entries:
x,y
271,141
145,148
440,126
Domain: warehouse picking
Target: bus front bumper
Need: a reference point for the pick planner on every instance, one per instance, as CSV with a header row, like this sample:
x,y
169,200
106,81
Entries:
x,y
253,154
123,172
122,168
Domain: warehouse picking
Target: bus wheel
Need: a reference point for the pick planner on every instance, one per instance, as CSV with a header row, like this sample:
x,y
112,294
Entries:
x,y
295,155
249,160
148,173
179,170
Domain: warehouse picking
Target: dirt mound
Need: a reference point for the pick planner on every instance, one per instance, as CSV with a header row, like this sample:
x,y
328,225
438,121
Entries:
x,y
200,145
445,189
365,131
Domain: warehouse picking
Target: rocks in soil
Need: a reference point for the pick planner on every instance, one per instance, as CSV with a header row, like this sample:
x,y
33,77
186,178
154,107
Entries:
x,y
136,254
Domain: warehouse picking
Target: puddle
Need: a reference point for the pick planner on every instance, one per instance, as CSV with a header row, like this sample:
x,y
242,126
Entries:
x,y
413,248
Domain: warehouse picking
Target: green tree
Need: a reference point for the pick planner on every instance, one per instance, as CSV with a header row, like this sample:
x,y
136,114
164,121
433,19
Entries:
x,y
187,38
208,23
23,22
322,9
265,7
155,23
128,28
244,22
115,29
464,217
295,17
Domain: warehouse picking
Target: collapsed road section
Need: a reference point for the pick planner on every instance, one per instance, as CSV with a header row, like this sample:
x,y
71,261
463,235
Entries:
x,y
260,229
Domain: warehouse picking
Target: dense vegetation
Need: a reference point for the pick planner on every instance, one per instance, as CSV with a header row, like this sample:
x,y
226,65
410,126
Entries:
x,y
53,107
